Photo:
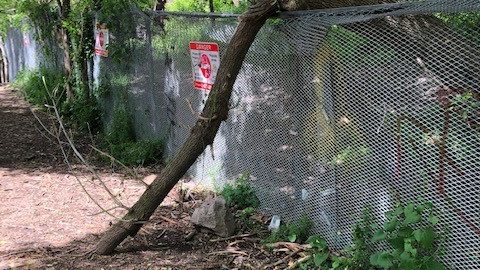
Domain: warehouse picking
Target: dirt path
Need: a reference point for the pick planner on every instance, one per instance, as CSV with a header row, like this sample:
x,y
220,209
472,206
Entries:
x,y
42,205
48,222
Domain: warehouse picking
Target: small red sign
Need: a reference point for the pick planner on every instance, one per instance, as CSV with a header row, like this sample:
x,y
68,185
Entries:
x,y
205,62
101,41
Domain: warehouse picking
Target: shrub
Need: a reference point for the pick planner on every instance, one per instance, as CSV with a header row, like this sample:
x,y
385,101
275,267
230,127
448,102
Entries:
x,y
120,142
408,238
240,194
138,152
31,84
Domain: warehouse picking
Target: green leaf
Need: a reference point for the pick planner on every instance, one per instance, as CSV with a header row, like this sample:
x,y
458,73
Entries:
x,y
303,266
379,235
428,205
320,258
405,232
391,225
382,259
396,242
292,238
411,215
433,219
409,248
431,264
398,210
317,241
407,262
425,237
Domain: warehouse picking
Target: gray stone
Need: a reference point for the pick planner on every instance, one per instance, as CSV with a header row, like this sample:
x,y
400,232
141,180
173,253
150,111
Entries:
x,y
216,216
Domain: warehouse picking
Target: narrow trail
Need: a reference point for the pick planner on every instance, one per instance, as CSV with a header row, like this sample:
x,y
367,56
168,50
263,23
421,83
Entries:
x,y
41,206
21,141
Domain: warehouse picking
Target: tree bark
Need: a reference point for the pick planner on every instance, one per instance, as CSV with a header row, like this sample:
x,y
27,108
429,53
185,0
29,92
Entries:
x,y
211,6
201,135
64,9
4,68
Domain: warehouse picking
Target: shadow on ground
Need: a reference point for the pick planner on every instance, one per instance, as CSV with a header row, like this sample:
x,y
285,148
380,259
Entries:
x,y
160,244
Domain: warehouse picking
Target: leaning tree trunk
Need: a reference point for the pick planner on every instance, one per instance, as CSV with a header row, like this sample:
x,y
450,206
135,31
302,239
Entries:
x,y
201,135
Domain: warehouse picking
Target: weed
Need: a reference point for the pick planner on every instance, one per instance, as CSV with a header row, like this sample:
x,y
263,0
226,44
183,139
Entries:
x,y
246,221
240,194
30,82
80,112
83,113
291,232
409,232
414,243
138,152
120,142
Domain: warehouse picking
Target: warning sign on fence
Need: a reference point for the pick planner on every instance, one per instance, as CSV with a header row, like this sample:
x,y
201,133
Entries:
x,y
205,63
101,40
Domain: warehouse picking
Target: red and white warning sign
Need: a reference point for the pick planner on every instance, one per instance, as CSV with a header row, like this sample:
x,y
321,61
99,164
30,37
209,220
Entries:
x,y
205,63
101,40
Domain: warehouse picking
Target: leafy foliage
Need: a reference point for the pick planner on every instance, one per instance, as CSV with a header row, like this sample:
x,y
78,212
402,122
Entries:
x,y
240,193
81,112
414,243
409,231
31,84
203,6
120,142
137,152
292,232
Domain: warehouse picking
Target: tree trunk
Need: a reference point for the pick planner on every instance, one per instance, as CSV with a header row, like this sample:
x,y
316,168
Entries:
x,y
4,68
211,7
86,37
201,135
64,9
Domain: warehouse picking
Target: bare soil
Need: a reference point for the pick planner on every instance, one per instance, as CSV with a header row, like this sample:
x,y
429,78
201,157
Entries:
x,y
48,222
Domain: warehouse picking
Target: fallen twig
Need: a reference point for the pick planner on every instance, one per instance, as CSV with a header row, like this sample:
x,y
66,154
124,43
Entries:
x,y
229,252
190,235
291,246
235,242
298,262
168,220
233,237
283,260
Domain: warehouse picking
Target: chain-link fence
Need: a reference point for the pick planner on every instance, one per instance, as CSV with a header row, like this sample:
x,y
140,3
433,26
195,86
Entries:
x,y
24,52
332,112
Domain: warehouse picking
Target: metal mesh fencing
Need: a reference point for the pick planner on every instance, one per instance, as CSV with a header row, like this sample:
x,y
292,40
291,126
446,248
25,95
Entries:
x,y
332,112
23,51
